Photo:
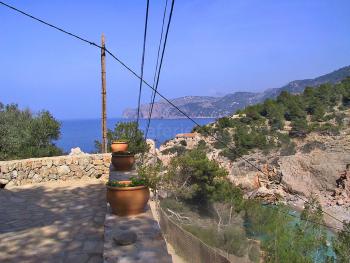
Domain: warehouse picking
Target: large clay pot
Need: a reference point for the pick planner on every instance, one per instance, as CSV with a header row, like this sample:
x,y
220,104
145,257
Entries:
x,y
119,146
123,162
126,201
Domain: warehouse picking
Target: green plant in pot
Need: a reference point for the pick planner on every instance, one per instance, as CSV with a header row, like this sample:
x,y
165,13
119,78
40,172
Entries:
x,y
130,197
126,132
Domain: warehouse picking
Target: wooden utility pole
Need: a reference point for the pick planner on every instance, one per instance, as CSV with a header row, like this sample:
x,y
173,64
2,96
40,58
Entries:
x,y
104,114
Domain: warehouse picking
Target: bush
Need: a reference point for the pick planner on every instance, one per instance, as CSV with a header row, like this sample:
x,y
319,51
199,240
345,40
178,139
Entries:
x,y
277,228
254,253
128,131
299,128
178,149
342,243
234,241
310,146
288,149
25,135
327,129
192,176
183,143
202,145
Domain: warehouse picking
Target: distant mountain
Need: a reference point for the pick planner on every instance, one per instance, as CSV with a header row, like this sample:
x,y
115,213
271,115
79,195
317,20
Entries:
x,y
214,107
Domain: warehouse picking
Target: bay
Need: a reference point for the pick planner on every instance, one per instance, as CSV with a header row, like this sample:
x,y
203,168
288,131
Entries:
x,y
82,133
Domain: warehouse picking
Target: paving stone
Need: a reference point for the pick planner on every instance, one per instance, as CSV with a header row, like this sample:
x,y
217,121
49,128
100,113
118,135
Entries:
x,y
149,245
124,238
95,259
56,223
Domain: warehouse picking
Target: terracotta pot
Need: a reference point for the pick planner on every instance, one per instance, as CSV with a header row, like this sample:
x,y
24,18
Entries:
x,y
126,201
119,146
123,162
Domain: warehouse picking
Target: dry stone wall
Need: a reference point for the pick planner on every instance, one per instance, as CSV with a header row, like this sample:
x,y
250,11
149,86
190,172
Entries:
x,y
36,170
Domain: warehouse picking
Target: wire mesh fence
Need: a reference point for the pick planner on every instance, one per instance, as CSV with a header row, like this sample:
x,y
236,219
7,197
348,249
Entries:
x,y
187,245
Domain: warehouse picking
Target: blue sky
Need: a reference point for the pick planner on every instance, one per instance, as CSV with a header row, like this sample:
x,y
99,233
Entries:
x,y
214,47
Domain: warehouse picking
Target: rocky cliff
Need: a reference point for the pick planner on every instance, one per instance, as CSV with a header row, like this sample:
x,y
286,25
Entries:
x,y
314,168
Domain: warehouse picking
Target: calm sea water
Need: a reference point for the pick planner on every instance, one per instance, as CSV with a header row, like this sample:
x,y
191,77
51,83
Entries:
x,y
82,133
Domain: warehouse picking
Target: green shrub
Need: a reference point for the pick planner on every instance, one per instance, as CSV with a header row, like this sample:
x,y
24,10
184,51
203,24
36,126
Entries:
x,y
310,146
193,176
25,135
202,145
288,149
342,243
254,253
183,143
128,131
178,149
234,241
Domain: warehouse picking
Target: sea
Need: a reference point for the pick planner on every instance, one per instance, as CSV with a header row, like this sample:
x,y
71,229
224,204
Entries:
x,y
82,133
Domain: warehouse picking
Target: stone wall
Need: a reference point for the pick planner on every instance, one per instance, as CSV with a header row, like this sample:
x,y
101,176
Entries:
x,y
36,170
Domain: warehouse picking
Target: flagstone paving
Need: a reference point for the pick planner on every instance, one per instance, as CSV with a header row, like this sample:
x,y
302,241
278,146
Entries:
x,y
53,222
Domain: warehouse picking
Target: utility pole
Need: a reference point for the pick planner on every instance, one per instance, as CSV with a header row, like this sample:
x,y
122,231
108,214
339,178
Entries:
x,y
104,114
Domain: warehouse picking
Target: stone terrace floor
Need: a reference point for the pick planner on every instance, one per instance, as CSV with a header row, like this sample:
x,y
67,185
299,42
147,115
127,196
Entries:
x,y
53,222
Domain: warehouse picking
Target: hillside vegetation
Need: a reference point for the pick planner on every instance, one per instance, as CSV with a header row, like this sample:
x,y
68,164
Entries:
x,y
273,123
209,206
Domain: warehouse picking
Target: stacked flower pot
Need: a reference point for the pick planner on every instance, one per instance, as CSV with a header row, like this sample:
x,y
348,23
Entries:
x,y
122,160
125,197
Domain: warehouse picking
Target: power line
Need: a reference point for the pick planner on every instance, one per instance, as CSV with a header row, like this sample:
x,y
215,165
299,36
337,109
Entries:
x,y
148,85
50,25
158,53
142,63
326,213
307,220
160,66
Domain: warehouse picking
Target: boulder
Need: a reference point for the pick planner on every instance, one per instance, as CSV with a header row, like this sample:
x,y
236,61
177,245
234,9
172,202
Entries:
x,y
76,151
63,170
4,181
37,178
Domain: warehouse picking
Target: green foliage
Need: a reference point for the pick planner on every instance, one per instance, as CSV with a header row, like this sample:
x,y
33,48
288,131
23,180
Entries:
x,y
192,176
226,192
24,135
178,149
126,131
183,143
151,175
300,128
342,244
231,240
133,182
310,146
223,138
202,145
285,239
274,113
260,125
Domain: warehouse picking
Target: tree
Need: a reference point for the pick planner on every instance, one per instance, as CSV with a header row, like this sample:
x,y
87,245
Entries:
x,y
274,113
299,128
192,176
25,135
285,239
342,243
